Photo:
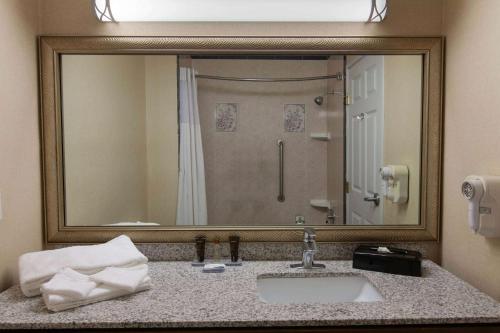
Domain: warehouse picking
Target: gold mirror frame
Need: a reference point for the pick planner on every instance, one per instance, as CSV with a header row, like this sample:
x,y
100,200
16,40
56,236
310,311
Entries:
x,y
52,47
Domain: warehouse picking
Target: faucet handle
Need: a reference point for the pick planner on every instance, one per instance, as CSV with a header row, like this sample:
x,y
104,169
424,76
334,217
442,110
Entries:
x,y
309,234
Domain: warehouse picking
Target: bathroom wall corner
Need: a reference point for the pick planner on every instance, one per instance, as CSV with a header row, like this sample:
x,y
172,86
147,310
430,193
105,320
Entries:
x,y
20,181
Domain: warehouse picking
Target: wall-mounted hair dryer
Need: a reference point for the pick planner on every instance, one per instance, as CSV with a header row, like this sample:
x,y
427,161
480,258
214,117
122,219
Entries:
x,y
395,182
483,194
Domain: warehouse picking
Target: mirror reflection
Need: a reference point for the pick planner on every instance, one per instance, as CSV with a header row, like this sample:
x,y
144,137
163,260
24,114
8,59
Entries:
x,y
194,140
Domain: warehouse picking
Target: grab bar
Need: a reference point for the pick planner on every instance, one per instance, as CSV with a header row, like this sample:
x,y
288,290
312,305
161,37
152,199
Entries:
x,y
281,154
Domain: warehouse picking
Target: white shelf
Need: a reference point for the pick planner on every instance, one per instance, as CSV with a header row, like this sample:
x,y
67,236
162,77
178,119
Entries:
x,y
321,203
322,136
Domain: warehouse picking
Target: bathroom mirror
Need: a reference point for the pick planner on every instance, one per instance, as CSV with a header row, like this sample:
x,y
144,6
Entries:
x,y
184,137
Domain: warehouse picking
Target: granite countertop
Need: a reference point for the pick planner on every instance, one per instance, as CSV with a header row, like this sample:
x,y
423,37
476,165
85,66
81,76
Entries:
x,y
183,296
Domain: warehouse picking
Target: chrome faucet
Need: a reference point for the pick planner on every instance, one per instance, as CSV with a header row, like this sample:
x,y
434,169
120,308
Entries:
x,y
310,249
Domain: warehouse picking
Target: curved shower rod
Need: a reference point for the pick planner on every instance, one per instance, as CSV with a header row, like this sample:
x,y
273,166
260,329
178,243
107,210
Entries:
x,y
339,76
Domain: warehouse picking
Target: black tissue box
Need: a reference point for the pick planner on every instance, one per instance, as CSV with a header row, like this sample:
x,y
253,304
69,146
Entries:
x,y
394,261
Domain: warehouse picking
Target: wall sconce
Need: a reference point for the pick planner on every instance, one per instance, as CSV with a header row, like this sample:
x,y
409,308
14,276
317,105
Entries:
x,y
240,10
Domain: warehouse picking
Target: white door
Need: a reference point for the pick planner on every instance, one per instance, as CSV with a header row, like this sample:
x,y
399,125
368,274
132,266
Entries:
x,y
364,132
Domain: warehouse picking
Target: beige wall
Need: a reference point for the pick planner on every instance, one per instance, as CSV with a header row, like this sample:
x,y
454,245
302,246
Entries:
x,y
104,139
241,167
472,133
21,225
402,127
162,138
120,138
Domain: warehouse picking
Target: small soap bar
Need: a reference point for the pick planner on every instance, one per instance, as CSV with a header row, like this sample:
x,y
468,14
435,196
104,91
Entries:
x,y
214,268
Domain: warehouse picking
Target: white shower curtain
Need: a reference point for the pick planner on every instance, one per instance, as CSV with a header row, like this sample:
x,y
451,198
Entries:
x,y
192,198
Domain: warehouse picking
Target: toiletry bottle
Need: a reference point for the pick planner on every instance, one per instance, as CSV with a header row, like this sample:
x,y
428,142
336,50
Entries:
x,y
217,251
200,248
234,243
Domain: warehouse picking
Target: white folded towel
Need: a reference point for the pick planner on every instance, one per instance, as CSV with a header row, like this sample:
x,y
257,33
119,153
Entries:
x,y
122,278
69,283
55,302
37,268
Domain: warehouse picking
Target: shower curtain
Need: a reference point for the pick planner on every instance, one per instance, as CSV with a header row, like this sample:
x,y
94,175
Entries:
x,y
192,199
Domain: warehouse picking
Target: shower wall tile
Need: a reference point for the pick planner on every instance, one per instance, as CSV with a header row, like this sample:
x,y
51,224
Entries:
x,y
295,117
241,167
226,116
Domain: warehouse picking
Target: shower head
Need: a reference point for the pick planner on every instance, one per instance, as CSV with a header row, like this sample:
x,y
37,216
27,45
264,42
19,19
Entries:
x,y
319,100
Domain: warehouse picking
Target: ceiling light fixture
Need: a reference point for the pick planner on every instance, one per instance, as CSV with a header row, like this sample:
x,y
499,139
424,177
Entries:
x,y
240,10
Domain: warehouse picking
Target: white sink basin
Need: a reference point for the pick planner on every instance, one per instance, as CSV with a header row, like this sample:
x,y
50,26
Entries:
x,y
325,289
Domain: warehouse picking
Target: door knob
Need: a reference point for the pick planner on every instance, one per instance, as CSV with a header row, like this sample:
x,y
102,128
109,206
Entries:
x,y
375,199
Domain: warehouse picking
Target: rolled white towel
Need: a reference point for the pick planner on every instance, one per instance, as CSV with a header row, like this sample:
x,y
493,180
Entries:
x,y
36,268
102,292
69,283
128,278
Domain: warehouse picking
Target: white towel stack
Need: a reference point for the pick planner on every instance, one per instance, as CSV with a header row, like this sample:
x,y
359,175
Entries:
x,y
81,275
69,289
